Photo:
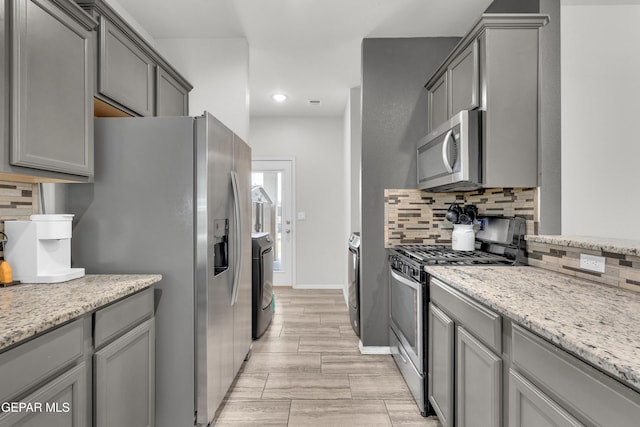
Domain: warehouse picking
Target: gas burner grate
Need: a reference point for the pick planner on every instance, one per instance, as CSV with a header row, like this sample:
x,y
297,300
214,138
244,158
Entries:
x,y
434,254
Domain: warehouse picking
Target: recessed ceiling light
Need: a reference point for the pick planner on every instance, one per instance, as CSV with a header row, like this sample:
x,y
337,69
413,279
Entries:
x,y
279,97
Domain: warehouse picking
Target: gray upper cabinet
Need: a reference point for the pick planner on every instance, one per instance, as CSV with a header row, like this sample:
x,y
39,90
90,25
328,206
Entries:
x,y
172,99
456,88
494,69
438,101
126,72
463,78
132,76
51,67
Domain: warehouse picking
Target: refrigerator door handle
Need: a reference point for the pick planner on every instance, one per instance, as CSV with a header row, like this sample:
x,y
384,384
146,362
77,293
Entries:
x,y
237,237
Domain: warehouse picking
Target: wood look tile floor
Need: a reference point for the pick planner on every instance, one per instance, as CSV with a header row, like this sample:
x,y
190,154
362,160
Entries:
x,y
307,370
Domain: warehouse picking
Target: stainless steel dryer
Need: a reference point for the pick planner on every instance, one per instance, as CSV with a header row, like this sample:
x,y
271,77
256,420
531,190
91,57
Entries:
x,y
262,278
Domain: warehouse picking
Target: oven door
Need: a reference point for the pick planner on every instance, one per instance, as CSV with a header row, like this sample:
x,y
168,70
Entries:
x,y
406,315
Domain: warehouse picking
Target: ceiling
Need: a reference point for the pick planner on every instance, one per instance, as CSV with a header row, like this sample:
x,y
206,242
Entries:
x,y
307,49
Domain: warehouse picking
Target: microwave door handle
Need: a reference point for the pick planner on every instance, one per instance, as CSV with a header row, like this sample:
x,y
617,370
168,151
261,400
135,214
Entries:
x,y
445,151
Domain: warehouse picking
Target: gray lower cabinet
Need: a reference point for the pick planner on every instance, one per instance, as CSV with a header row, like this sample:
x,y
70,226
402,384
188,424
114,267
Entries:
x,y
478,383
125,379
52,374
61,402
583,392
530,407
124,363
464,368
51,84
441,364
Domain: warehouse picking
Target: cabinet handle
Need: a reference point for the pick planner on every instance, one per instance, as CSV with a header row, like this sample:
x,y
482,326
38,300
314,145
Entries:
x,y
445,151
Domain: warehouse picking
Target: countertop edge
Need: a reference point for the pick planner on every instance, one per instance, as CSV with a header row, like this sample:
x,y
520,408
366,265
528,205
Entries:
x,y
615,246
626,374
23,319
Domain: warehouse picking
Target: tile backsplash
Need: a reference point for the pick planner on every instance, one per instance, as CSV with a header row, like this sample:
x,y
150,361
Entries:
x,y
17,201
622,270
418,217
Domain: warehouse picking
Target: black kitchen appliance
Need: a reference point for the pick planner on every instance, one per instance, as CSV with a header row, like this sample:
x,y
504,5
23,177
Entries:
x,y
354,281
262,282
499,241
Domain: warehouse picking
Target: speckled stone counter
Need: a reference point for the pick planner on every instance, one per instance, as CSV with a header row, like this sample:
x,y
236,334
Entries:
x,y
614,246
599,324
29,309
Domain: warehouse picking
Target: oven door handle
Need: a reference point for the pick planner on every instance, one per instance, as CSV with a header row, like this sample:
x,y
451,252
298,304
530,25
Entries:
x,y
402,279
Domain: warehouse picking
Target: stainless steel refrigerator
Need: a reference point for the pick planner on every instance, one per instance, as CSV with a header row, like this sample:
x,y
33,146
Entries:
x,y
172,196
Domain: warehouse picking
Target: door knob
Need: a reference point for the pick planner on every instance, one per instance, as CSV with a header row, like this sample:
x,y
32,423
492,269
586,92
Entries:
x,y
288,231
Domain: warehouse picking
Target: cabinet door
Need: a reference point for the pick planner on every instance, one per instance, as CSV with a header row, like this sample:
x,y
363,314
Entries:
x,y
437,103
126,73
479,383
529,407
62,402
52,84
441,364
463,80
171,98
125,379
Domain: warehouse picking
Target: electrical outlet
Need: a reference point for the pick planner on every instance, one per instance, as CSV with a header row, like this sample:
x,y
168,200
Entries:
x,y
592,263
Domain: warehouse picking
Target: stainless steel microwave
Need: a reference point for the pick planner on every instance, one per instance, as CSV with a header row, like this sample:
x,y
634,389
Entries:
x,y
449,156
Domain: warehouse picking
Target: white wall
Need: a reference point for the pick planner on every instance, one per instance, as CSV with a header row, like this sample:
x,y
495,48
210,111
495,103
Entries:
x,y
218,69
317,146
600,111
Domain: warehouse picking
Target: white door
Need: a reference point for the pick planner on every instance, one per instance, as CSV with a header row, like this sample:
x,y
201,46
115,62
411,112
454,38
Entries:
x,y
276,176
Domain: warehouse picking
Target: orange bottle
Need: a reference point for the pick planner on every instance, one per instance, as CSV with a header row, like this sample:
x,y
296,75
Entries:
x,y
6,275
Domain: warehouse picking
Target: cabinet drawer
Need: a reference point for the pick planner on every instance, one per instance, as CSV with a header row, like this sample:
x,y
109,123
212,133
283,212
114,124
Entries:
x,y
482,322
116,319
585,392
35,361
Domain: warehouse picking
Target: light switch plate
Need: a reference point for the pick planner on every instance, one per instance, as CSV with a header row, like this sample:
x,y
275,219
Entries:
x,y
592,263
302,216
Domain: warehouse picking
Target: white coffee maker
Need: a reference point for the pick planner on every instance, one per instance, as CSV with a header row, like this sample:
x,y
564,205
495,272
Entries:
x,y
39,250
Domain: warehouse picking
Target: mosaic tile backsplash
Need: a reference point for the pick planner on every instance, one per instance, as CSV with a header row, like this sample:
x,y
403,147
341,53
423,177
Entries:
x,y
17,201
418,217
622,269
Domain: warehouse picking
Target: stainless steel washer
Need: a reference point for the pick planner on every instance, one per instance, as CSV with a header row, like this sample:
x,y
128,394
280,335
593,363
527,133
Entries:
x,y
354,281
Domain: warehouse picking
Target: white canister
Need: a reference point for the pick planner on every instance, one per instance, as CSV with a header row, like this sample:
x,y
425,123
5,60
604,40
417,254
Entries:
x,y
463,238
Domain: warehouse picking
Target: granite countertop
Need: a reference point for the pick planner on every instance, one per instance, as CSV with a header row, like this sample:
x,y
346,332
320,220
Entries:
x,y
598,323
28,309
615,246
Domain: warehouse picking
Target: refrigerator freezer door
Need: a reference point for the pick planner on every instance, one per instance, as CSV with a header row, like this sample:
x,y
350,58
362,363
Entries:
x,y
242,307
214,312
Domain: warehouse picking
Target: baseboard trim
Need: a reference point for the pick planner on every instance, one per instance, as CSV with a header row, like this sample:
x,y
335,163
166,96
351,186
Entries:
x,y
327,286
373,349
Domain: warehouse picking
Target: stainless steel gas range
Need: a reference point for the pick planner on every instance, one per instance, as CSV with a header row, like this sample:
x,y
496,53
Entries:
x,y
499,241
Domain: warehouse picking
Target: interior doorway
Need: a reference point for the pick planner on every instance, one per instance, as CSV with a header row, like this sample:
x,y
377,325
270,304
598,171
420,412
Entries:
x,y
276,177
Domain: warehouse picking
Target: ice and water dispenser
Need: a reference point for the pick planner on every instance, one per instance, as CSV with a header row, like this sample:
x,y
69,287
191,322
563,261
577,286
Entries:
x,y
39,250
